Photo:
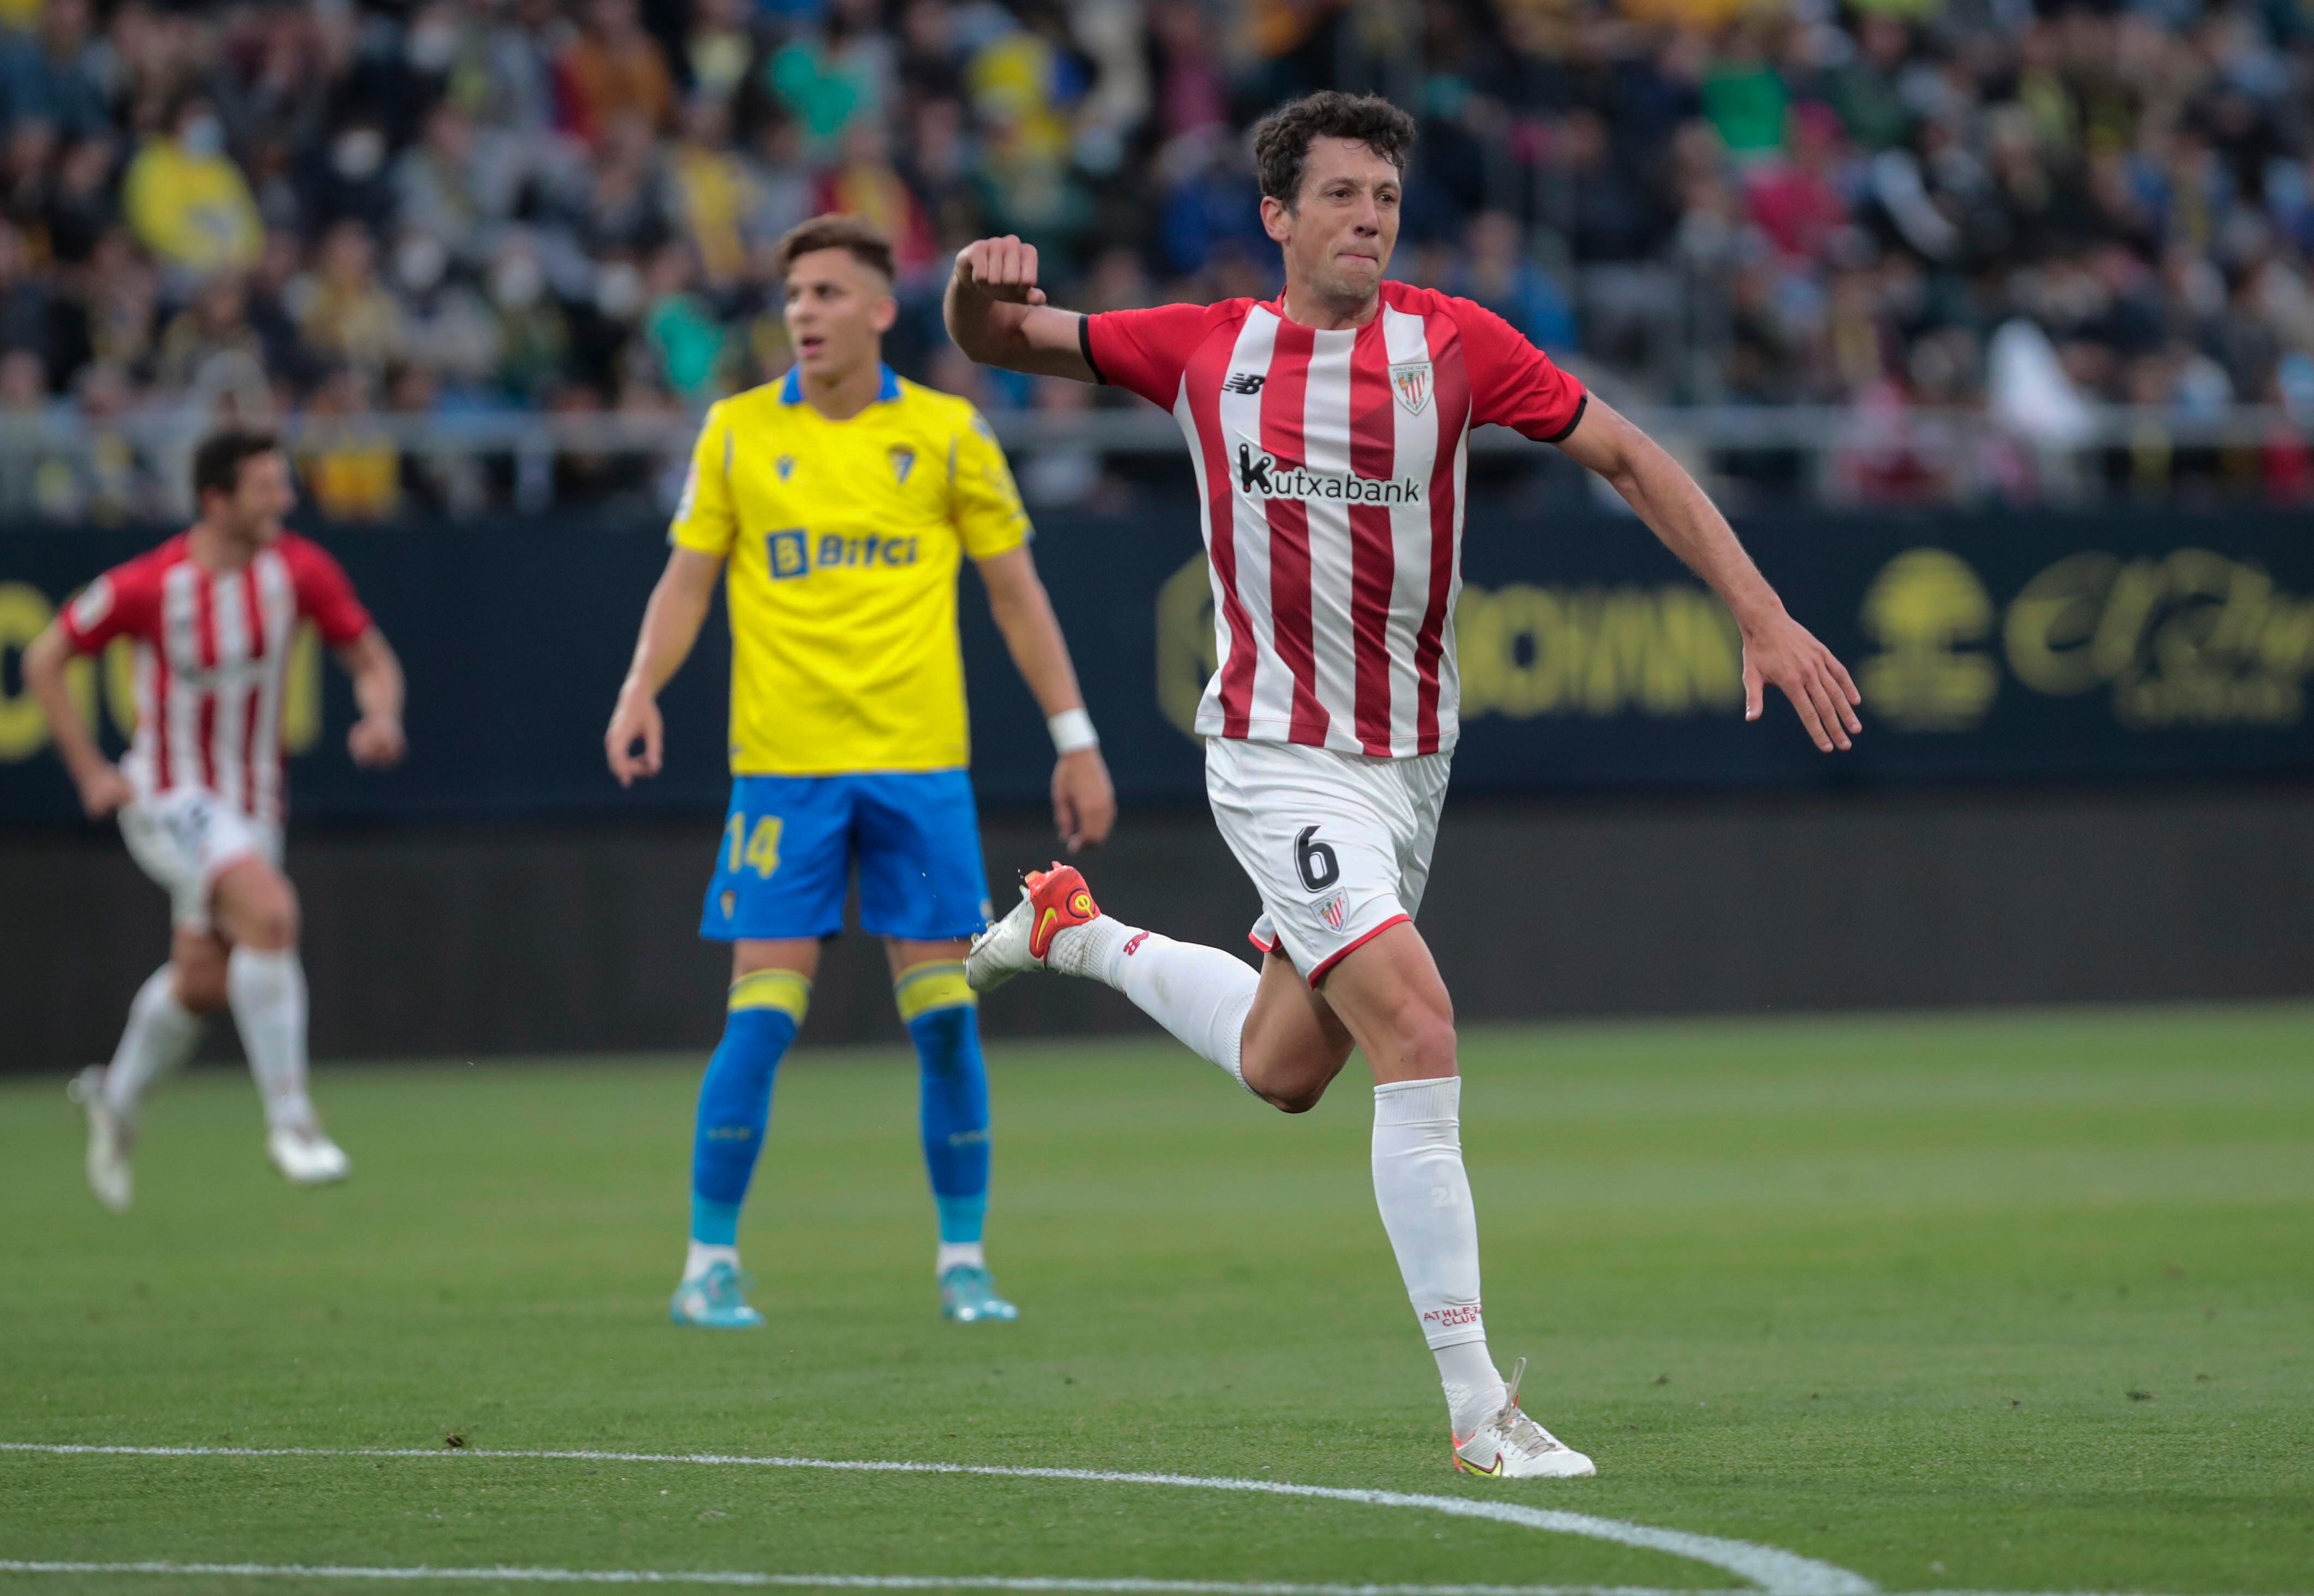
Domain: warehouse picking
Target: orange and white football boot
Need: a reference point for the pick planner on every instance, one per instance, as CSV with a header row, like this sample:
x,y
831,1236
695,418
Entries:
x,y
1051,902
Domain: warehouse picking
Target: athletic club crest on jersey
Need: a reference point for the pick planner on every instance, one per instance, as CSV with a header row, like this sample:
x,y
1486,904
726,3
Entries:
x,y
903,461
1335,910
785,466
1411,380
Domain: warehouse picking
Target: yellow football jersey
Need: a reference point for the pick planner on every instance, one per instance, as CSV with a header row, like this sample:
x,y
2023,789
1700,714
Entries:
x,y
842,541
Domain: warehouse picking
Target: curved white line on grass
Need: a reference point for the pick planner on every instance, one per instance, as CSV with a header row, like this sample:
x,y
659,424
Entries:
x,y
1780,1572
839,1582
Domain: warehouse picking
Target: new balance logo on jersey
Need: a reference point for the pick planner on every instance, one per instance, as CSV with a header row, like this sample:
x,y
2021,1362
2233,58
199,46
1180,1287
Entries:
x,y
1244,382
1263,475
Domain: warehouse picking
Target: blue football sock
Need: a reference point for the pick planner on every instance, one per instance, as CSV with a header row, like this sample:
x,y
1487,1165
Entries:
x,y
735,1100
941,1016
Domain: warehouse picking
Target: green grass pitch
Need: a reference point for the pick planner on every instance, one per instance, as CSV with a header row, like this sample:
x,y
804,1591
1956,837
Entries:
x,y
1990,1303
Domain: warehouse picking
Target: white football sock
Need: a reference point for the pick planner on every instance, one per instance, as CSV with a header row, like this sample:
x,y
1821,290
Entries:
x,y
1199,994
704,1256
1475,1391
1424,1199
161,1036
267,990
958,1255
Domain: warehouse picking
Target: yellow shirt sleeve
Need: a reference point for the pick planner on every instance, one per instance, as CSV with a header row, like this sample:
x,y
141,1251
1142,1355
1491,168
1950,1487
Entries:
x,y
983,502
704,518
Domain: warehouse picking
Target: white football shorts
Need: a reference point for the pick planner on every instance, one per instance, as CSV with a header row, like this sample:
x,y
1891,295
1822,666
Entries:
x,y
184,840
1338,844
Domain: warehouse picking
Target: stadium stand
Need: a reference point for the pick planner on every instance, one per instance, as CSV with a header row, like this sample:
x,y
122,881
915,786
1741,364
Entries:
x,y
1965,227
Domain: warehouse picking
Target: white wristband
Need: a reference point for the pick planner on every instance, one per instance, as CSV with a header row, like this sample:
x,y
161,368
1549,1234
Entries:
x,y
1073,732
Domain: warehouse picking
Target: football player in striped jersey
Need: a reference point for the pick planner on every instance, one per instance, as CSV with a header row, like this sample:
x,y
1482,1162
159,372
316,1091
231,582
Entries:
x,y
202,791
1329,430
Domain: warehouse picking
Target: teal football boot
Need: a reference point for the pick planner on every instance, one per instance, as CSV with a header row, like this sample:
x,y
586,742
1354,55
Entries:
x,y
968,1295
713,1302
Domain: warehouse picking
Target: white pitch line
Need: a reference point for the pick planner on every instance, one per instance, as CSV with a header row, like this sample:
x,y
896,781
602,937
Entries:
x,y
1774,1571
873,1582
841,1582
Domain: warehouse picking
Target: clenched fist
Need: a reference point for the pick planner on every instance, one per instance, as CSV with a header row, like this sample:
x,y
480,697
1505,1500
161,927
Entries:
x,y
1000,268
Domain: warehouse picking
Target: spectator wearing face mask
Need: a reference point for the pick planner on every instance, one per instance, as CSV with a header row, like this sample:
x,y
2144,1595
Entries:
x,y
532,338
186,202
346,176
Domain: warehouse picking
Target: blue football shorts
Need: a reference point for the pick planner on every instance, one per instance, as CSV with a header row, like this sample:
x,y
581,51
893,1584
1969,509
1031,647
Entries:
x,y
790,844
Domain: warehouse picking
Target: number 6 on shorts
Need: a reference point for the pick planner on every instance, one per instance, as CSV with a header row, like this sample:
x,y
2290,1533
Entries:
x,y
1314,861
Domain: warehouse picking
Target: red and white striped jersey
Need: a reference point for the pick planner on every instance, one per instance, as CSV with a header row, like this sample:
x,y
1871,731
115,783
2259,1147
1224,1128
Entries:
x,y
212,653
1330,466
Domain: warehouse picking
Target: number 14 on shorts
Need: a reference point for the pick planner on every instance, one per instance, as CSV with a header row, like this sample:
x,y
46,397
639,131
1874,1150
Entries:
x,y
757,849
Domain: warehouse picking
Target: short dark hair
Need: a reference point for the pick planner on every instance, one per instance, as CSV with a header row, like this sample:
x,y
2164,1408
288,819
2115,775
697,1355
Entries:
x,y
217,464
860,236
1281,140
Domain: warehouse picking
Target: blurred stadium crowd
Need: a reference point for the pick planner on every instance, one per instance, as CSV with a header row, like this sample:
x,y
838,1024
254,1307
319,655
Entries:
x,y
331,208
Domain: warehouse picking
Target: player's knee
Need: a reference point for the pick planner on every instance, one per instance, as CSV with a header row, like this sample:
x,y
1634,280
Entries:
x,y
257,906
199,986
1285,1059
1289,1084
1295,1100
271,922
1422,1036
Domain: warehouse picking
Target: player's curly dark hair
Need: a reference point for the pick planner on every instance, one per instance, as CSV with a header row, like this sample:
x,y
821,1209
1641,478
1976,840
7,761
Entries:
x,y
217,464
1281,140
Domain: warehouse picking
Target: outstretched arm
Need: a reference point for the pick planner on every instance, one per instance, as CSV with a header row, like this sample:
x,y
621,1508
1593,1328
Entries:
x,y
103,788
998,316
1776,648
376,739
1084,803
671,622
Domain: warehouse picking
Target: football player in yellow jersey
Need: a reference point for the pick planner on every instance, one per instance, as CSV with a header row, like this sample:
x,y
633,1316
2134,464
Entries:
x,y
836,506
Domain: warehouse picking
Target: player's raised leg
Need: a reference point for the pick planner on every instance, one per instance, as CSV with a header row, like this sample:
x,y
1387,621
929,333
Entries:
x,y
1268,1032
1201,995
256,909
770,991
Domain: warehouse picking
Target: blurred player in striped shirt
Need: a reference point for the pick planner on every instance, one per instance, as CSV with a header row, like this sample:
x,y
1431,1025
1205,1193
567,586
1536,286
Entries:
x,y
201,794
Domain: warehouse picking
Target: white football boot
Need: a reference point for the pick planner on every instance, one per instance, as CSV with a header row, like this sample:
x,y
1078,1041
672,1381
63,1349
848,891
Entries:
x,y
1051,902
305,1155
109,1139
1511,1446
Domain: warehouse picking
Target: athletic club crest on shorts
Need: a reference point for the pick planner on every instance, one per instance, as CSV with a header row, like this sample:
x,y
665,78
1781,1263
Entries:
x,y
1335,911
1411,380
